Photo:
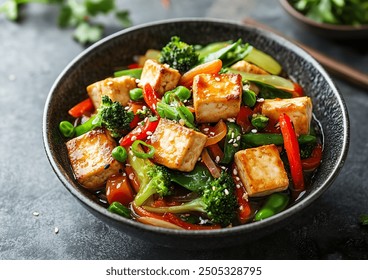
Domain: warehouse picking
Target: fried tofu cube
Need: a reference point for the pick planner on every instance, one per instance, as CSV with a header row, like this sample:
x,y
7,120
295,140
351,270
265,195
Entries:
x,y
247,67
216,96
91,160
299,110
176,146
261,170
117,89
161,77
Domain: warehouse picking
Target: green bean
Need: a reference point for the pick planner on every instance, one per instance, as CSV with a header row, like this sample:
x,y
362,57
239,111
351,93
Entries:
x,y
119,153
232,142
260,139
67,129
118,208
275,203
136,94
134,73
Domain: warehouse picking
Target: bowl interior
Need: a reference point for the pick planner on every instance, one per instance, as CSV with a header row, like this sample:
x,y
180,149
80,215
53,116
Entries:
x,y
102,59
334,31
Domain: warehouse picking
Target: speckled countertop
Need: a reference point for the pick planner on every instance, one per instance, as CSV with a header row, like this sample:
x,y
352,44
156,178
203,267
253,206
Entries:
x,y
34,52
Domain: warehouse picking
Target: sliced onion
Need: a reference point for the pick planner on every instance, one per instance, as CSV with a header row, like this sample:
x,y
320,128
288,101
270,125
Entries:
x,y
212,167
215,134
157,223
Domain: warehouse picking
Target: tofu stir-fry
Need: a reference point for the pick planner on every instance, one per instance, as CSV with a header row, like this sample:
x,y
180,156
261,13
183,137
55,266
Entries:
x,y
195,137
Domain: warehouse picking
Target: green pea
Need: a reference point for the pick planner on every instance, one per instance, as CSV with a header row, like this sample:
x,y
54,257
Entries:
x,y
118,208
67,129
136,94
275,203
119,153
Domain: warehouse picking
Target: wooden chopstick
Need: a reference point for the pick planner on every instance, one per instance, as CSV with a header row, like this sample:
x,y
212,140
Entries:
x,y
333,66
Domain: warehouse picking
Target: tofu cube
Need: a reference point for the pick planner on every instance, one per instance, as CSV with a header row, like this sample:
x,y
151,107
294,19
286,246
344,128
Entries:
x,y
247,67
299,110
216,96
115,88
177,147
91,160
161,77
261,170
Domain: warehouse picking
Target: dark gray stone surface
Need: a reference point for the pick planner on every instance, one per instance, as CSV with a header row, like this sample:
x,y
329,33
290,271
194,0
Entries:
x,y
34,52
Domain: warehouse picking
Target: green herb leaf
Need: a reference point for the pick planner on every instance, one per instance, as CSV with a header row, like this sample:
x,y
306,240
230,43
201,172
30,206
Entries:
x,y
10,10
99,6
87,33
123,18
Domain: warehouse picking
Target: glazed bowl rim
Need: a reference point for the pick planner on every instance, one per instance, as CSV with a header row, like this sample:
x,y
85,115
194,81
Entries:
x,y
203,233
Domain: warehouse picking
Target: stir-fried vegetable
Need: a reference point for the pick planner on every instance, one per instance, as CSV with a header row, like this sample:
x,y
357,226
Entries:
x,y
164,156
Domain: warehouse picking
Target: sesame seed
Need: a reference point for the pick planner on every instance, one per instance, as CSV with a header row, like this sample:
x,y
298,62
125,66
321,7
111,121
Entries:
x,y
241,208
199,159
260,100
124,174
235,172
231,120
235,144
217,159
254,130
212,133
139,130
237,178
206,129
149,132
36,214
56,230
127,164
254,115
134,138
245,196
131,176
144,107
181,122
230,141
223,167
232,135
137,81
149,137
238,138
217,79
118,186
213,188
237,186
226,191
108,191
154,106
134,158
126,108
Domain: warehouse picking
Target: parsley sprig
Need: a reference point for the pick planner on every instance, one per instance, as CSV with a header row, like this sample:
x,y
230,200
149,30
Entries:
x,y
78,14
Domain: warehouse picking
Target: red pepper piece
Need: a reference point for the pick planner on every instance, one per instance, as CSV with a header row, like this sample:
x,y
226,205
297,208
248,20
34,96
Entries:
x,y
243,118
150,97
81,108
244,209
140,132
314,160
292,150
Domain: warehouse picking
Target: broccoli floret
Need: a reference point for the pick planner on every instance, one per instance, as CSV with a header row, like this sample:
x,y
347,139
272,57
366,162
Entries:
x,y
114,117
153,179
217,201
110,115
179,55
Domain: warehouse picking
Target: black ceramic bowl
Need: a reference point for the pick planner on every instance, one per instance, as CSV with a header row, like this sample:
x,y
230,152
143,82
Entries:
x,y
100,60
332,31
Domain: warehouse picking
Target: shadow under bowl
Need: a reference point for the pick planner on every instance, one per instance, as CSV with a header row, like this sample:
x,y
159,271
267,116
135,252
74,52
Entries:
x,y
101,59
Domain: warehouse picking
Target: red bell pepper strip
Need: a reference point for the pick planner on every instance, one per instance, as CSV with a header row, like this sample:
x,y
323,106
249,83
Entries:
x,y
140,132
314,160
81,108
133,66
292,150
150,97
244,210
